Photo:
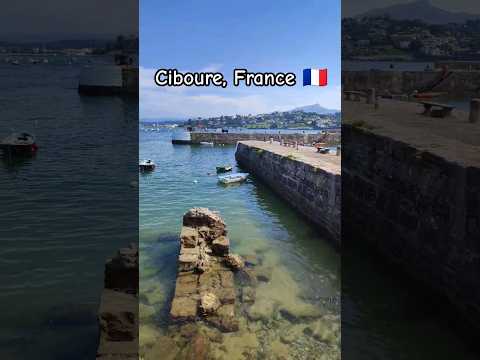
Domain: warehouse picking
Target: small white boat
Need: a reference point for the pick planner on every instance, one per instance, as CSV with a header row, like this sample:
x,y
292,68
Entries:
x,y
206,143
233,178
146,165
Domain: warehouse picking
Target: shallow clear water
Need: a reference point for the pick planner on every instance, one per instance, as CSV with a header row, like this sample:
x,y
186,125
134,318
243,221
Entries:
x,y
305,277
64,211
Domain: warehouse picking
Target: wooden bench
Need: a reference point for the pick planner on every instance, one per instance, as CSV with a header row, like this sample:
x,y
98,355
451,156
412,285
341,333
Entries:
x,y
436,109
356,94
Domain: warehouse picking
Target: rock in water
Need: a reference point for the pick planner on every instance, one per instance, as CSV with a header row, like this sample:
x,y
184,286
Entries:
x,y
118,313
221,246
234,262
198,217
205,284
209,303
121,271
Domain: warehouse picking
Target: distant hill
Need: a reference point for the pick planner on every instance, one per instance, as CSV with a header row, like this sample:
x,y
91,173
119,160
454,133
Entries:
x,y
420,10
316,108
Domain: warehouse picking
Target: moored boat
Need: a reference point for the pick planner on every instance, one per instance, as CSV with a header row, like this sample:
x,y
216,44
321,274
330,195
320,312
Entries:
x,y
19,143
233,178
428,95
146,165
224,169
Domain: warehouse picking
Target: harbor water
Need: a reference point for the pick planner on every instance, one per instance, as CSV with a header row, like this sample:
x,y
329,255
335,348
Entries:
x,y
65,211
306,271
302,295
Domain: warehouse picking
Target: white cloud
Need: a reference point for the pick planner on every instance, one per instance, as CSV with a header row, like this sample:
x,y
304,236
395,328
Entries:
x,y
181,102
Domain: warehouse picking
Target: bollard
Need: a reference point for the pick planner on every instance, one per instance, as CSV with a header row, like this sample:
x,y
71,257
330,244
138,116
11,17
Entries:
x,y
474,111
371,96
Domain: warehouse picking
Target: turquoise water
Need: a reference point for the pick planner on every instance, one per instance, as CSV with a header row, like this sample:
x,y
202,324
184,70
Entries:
x,y
305,276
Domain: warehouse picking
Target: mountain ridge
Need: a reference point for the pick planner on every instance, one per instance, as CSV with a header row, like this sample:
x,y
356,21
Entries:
x,y
316,108
423,10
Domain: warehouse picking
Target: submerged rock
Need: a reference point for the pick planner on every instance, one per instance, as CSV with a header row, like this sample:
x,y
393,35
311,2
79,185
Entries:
x,y
234,262
203,217
248,295
184,308
264,274
221,246
209,303
118,312
205,285
121,271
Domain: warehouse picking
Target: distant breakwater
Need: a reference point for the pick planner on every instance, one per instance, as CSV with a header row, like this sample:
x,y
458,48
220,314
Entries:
x,y
460,83
233,138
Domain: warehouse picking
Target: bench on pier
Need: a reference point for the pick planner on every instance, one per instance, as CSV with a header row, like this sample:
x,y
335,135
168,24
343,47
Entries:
x,y
434,109
321,147
356,94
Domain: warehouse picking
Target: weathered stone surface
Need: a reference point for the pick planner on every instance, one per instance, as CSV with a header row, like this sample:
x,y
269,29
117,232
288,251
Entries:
x,y
205,285
189,237
226,279
226,295
121,271
186,285
224,323
118,316
221,246
417,205
187,262
198,217
209,303
118,311
234,261
312,185
184,308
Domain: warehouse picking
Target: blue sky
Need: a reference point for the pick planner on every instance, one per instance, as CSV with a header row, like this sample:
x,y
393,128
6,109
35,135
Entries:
x,y
257,35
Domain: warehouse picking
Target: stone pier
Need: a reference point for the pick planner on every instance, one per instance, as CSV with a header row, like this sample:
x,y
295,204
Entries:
x,y
411,191
232,138
118,312
310,182
205,288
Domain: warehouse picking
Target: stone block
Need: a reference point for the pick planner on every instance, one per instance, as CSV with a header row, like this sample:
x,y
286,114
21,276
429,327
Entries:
x,y
189,237
221,246
183,308
187,262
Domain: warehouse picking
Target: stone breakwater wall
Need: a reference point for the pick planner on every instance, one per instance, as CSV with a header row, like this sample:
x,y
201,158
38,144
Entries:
x,y
233,138
313,191
118,312
420,211
397,82
205,289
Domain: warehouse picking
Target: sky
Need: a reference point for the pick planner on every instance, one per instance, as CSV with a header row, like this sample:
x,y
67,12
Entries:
x,y
213,35
26,20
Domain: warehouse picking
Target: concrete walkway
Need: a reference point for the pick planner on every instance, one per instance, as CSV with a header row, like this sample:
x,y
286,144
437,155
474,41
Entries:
x,y
452,138
328,162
